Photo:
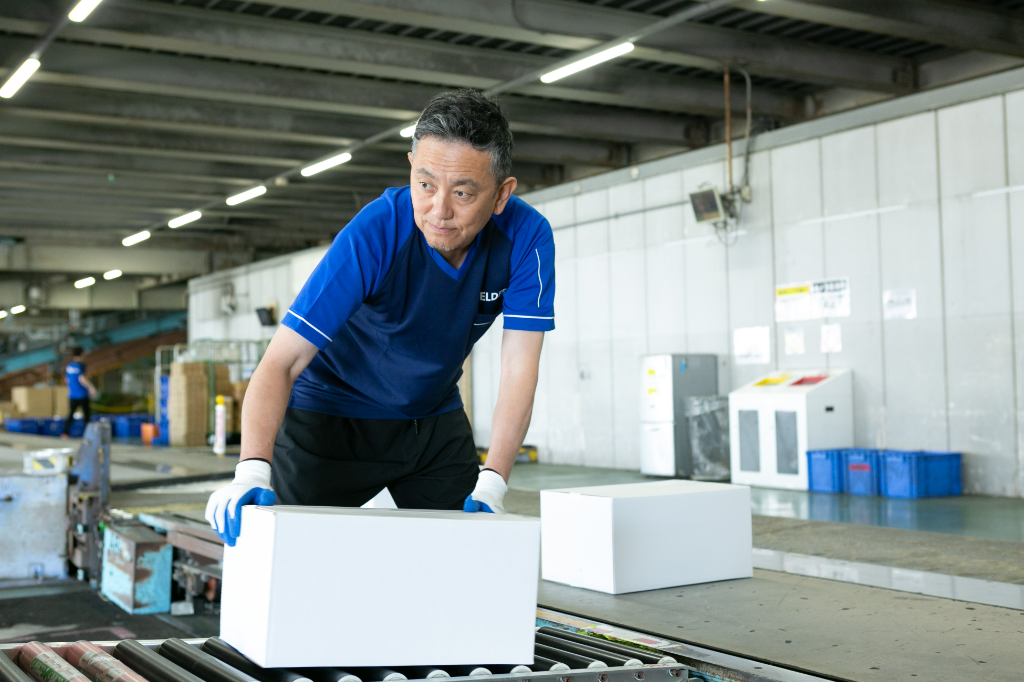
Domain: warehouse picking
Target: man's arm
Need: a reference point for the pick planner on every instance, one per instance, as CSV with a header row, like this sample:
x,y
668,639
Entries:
x,y
520,361
88,386
263,409
270,387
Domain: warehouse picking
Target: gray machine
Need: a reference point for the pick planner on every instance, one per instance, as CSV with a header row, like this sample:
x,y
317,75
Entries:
x,y
665,383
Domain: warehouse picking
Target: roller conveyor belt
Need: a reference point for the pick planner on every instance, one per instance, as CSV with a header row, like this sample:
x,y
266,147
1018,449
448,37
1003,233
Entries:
x,y
567,649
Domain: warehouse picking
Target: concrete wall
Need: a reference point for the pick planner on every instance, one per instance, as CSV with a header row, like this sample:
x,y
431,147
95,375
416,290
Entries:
x,y
275,281
637,275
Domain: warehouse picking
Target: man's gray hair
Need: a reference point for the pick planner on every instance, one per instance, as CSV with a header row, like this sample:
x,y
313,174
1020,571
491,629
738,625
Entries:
x,y
467,116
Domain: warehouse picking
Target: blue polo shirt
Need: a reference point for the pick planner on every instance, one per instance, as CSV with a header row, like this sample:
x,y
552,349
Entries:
x,y
394,322
73,373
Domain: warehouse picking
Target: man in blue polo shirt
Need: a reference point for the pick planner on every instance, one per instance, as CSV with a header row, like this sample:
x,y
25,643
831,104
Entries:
x,y
357,390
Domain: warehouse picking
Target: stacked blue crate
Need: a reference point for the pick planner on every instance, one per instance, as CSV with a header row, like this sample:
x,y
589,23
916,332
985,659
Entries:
x,y
920,474
24,425
861,469
825,471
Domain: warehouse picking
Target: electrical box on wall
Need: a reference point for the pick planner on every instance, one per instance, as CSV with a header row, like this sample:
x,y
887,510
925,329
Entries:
x,y
775,420
665,383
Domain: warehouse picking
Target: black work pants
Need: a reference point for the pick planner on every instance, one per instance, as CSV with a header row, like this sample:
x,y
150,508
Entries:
x,y
75,403
323,460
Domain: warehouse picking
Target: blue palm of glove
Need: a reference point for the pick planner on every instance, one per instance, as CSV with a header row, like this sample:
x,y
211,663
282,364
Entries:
x,y
472,506
233,528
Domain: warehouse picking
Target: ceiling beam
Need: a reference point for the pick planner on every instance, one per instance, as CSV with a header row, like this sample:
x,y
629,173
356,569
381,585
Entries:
x,y
572,25
962,25
245,38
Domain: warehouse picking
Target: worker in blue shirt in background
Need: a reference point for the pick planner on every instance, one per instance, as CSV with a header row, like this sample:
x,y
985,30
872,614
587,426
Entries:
x,y
80,389
357,390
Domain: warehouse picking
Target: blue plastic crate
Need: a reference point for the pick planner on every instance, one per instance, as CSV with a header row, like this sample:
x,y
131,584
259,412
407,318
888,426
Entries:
x,y
920,474
53,427
861,471
825,471
123,426
24,425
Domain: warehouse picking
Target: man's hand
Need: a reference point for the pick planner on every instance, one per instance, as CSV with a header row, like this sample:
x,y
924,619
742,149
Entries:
x,y
489,494
251,486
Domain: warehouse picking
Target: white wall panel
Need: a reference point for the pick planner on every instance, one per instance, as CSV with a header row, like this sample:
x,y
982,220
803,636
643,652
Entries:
x,y
565,430
485,393
629,336
561,212
666,281
591,206
662,190
751,276
910,240
1014,103
626,198
977,287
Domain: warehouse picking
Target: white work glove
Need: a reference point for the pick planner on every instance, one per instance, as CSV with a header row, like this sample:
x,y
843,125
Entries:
x,y
489,494
251,486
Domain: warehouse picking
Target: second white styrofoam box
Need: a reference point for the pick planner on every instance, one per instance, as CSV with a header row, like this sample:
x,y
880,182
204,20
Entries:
x,y
645,536
326,586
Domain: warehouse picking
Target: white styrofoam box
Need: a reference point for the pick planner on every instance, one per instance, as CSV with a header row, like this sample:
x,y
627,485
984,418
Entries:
x,y
330,586
641,536
799,410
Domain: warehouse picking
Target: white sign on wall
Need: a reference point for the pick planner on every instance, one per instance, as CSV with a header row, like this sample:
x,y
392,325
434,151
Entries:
x,y
831,338
752,345
795,341
815,300
899,304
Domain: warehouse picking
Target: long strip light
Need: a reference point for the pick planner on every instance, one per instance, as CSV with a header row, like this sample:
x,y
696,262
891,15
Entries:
x,y
410,131
19,77
185,219
85,282
246,195
998,190
326,164
112,274
136,238
3,314
83,9
587,62
17,309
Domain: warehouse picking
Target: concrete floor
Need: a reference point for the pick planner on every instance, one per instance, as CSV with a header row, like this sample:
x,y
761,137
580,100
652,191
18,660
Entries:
x,y
845,631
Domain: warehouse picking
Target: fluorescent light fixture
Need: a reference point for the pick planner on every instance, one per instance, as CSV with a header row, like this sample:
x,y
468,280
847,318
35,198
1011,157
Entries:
x,y
855,214
112,274
998,190
17,309
19,77
246,195
3,314
410,131
185,219
324,165
83,9
587,62
85,282
136,238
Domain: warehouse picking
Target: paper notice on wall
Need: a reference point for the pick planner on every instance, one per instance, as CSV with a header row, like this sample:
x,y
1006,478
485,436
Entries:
x,y
831,338
815,300
752,345
899,304
795,341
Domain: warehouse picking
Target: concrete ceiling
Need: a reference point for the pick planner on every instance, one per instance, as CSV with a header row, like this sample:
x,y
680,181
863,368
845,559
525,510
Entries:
x,y
153,107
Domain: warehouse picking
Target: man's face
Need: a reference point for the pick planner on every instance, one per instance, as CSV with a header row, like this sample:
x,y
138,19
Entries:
x,y
453,192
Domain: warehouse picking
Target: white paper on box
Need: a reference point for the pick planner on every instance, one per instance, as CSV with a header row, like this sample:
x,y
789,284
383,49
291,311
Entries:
x,y
324,586
646,536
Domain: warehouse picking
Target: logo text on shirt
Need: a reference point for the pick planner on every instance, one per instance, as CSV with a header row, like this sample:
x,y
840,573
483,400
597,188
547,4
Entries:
x,y
491,296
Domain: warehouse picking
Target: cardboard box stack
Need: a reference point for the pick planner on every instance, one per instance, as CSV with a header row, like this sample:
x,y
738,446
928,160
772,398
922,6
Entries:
x,y
32,402
238,393
188,404
60,401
